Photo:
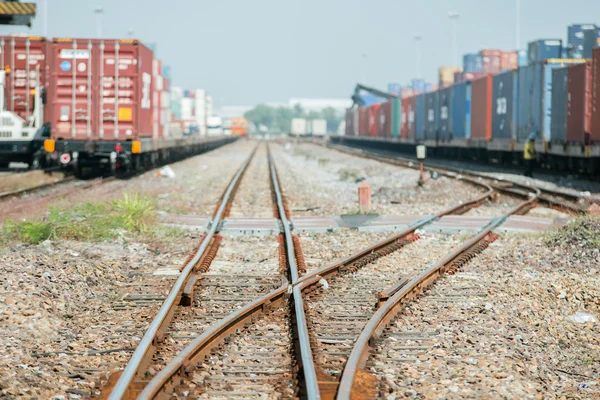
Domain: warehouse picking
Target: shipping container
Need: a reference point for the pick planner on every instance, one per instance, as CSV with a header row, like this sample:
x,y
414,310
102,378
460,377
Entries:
x,y
445,113
491,61
535,97
579,113
404,119
396,117
522,58
407,92
461,110
420,117
595,131
481,108
299,127
446,75
558,119
591,39
352,122
472,63
504,105
370,99
541,50
373,119
466,77
418,85
384,120
101,89
24,59
394,88
432,118
509,60
575,39
363,121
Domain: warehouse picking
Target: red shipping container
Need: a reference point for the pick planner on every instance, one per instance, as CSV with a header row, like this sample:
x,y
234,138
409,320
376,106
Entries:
x,y
579,102
21,57
101,89
404,117
363,121
350,122
384,121
509,60
491,60
481,108
373,119
595,132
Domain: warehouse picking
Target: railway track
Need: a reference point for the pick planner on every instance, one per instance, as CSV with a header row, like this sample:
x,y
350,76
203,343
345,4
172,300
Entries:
x,y
558,199
34,189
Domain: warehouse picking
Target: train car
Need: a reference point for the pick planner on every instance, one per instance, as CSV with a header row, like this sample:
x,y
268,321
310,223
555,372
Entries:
x,y
461,110
115,130
318,127
239,126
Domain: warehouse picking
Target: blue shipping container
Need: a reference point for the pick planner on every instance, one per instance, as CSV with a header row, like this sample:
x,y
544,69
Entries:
x,y
418,85
370,99
541,50
473,63
461,110
420,116
590,41
575,39
394,88
522,58
432,118
445,113
428,87
504,105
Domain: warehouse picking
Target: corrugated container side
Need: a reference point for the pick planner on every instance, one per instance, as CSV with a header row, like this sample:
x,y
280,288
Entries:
x,y
579,102
418,85
558,119
525,111
121,110
591,39
522,58
445,113
595,130
503,105
472,63
363,121
446,75
509,60
420,116
404,117
411,117
544,49
373,119
481,108
396,117
432,118
459,110
349,128
384,120
21,56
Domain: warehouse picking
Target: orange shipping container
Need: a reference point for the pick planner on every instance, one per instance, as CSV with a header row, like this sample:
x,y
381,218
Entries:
x,y
481,108
373,119
509,60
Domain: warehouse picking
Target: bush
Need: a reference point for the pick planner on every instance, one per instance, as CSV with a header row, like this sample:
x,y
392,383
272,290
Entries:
x,y
581,234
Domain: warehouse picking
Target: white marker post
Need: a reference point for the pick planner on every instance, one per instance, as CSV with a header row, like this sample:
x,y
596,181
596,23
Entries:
x,y
421,154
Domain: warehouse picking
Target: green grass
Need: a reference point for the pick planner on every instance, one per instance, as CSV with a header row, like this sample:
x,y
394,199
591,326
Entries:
x,y
87,222
583,231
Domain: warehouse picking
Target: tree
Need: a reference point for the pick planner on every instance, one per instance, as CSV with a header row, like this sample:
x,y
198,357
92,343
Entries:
x,y
333,117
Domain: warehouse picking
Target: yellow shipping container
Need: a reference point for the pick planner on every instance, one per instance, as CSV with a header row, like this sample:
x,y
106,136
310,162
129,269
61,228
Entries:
x,y
446,74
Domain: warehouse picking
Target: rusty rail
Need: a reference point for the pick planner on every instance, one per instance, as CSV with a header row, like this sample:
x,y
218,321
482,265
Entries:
x,y
164,315
352,374
16,193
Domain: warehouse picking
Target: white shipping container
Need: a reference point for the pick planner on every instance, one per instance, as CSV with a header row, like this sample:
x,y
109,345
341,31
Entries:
x,y
165,99
158,83
319,127
299,127
155,68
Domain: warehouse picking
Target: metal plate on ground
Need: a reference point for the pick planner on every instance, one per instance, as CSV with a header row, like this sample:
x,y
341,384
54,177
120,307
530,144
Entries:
x,y
250,227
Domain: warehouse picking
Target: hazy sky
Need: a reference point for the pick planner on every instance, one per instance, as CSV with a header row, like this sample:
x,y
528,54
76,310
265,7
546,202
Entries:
x,y
244,52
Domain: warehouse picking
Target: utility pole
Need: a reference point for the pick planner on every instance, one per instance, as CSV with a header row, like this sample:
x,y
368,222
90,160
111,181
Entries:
x,y
454,16
99,10
418,39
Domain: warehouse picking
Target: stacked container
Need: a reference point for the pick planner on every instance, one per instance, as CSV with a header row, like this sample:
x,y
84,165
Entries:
x,y
446,75
504,105
481,108
591,40
491,61
509,60
472,63
432,118
541,50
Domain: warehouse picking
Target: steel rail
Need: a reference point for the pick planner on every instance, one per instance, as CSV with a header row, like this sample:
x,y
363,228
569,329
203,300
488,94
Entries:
x,y
201,346
129,373
307,366
383,315
15,193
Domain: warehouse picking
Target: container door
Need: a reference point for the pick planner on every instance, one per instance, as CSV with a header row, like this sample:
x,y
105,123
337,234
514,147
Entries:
x,y
468,111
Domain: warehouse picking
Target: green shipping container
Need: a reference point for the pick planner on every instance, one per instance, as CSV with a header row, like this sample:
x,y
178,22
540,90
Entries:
x,y
396,117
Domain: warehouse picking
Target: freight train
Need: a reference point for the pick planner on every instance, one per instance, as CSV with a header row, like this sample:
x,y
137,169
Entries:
x,y
97,106
491,117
